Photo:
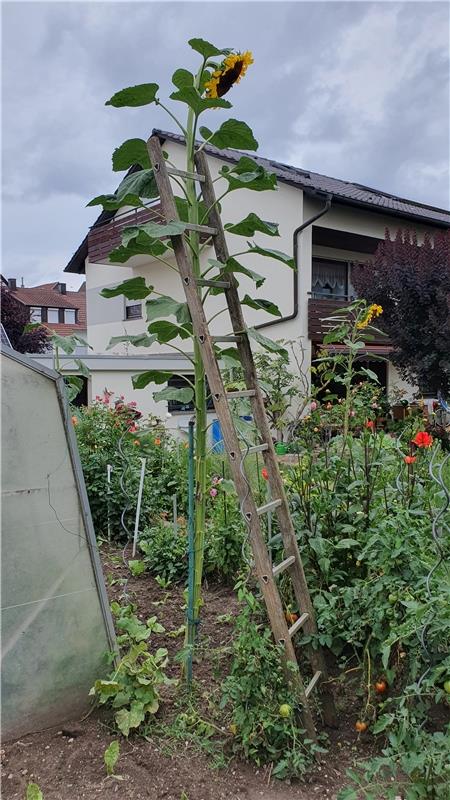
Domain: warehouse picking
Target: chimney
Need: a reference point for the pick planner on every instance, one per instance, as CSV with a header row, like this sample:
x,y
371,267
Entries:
x,y
61,288
12,284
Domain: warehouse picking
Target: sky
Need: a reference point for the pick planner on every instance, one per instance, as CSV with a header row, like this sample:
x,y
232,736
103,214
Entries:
x,y
354,90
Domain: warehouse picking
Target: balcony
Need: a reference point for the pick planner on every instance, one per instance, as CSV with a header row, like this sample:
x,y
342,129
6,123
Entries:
x,y
106,237
319,308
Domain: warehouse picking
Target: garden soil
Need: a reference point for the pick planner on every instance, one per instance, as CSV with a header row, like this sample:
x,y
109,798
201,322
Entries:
x,y
67,762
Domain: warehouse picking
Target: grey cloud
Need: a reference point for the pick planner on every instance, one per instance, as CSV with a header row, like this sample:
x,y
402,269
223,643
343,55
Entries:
x,y
61,66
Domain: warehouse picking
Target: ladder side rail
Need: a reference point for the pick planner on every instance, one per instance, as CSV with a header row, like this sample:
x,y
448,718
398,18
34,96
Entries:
x,y
256,537
276,484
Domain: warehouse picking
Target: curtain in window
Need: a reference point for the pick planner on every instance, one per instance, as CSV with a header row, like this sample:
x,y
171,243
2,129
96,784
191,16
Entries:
x,y
329,278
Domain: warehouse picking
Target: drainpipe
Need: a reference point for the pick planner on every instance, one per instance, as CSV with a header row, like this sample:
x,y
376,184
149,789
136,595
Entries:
x,y
295,235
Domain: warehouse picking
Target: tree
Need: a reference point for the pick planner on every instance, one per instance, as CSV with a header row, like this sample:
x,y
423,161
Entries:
x,y
15,319
412,284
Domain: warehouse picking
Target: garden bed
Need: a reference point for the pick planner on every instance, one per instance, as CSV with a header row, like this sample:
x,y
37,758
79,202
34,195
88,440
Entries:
x,y
68,762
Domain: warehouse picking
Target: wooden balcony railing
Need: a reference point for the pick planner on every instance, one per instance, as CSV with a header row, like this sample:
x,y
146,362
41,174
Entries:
x,y
318,325
105,238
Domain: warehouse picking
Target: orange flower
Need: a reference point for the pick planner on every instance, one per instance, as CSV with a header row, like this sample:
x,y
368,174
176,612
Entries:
x,y
409,459
265,474
157,442
369,423
74,420
423,439
137,442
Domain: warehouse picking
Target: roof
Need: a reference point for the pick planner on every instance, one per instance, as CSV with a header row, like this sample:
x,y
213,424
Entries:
x,y
313,183
63,329
354,193
48,296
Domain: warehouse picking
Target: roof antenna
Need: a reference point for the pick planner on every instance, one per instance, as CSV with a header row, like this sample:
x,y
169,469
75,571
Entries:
x,y
22,285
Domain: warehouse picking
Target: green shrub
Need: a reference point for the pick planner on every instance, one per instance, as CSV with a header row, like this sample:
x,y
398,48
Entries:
x,y
113,432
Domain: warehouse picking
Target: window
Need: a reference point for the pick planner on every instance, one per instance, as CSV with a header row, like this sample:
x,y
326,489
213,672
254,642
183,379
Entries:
x,y
70,316
35,314
53,315
133,310
180,382
331,279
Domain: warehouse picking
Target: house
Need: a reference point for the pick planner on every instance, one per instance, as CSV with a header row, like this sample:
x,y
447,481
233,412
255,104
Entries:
x,y
326,223
60,311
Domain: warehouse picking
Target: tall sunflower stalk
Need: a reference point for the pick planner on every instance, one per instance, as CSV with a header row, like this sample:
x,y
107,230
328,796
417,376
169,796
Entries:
x,y
200,92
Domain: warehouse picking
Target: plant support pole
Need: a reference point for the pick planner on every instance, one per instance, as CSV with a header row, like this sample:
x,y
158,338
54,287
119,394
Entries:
x,y
190,631
108,495
138,507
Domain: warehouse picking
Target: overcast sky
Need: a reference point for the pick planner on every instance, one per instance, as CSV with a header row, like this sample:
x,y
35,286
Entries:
x,y
355,90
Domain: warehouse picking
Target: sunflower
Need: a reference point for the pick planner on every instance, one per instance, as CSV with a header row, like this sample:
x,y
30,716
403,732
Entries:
x,y
230,71
373,312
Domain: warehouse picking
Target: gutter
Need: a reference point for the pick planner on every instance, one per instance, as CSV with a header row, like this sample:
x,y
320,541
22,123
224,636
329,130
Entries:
x,y
295,235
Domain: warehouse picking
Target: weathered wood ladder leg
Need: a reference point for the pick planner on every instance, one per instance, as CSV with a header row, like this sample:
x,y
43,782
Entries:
x,y
265,573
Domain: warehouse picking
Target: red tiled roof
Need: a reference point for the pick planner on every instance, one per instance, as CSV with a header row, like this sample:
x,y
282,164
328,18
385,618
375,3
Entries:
x,y
64,330
48,296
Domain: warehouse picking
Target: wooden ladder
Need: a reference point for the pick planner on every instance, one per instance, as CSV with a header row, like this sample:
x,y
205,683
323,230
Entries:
x,y
266,573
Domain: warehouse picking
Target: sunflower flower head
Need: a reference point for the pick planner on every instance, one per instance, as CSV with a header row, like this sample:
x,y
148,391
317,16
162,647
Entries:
x,y
230,71
372,313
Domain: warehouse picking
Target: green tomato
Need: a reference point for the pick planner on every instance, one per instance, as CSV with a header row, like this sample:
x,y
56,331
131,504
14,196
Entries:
x,y
392,599
447,686
285,710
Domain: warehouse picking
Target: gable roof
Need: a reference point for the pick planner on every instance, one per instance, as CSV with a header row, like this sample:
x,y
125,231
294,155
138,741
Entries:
x,y
346,191
312,183
48,296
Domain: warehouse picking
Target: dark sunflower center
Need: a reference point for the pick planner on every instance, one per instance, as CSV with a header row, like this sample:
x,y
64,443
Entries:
x,y
229,77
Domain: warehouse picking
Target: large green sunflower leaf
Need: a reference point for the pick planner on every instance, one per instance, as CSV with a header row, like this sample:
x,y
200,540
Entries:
x,y
133,151
109,202
234,266
140,340
158,376
261,305
231,133
190,96
140,95
206,49
142,184
182,77
184,395
251,224
166,331
266,343
276,254
153,230
166,307
132,289
247,174
142,245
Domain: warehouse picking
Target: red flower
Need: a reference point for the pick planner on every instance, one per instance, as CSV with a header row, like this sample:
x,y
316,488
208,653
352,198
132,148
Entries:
x,y
265,474
409,459
157,442
369,423
423,439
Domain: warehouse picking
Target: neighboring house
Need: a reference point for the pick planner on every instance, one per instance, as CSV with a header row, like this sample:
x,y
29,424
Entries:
x,y
324,222
60,311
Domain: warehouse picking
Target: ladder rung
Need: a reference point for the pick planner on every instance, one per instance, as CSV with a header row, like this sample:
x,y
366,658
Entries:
x,y
257,448
283,564
312,683
194,176
225,339
244,393
269,507
214,284
298,624
192,226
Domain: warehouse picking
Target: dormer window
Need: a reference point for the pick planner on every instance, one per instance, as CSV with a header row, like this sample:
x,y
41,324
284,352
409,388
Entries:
x,y
70,316
53,315
35,314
